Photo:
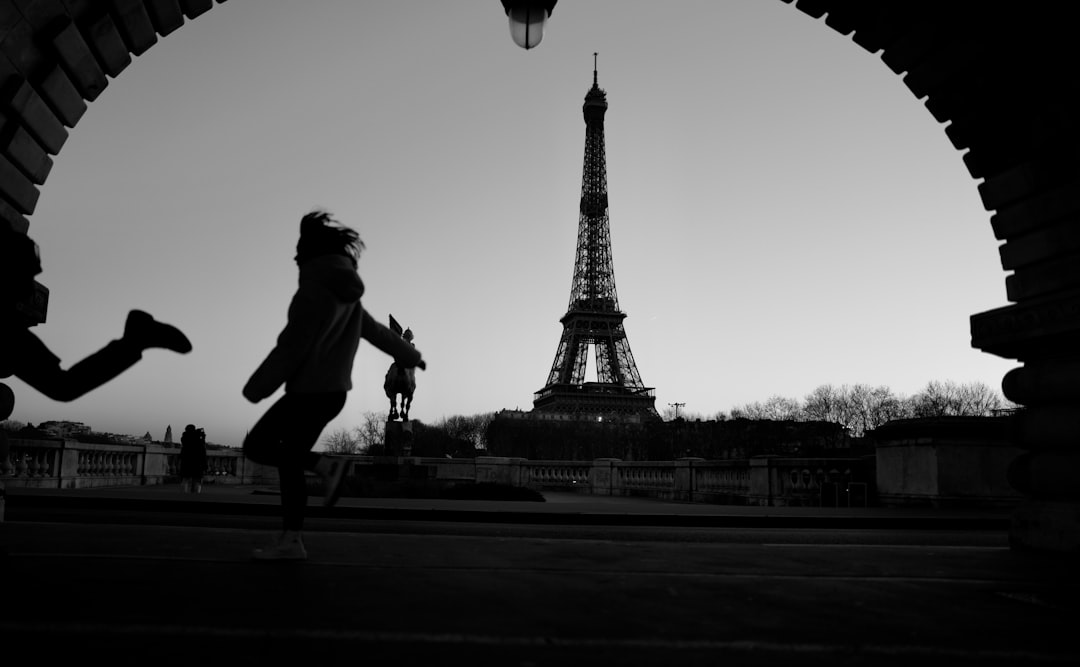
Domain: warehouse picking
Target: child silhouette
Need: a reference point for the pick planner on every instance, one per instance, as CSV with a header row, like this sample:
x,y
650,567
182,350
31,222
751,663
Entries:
x,y
25,356
313,358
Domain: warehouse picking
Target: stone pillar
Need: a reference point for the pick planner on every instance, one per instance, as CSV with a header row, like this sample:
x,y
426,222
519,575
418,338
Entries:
x,y
602,479
68,470
761,481
684,478
1043,334
398,438
498,470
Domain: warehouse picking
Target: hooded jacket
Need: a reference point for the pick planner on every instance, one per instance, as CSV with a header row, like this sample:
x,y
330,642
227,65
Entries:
x,y
316,349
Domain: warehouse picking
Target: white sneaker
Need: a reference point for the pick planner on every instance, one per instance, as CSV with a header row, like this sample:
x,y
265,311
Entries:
x,y
288,547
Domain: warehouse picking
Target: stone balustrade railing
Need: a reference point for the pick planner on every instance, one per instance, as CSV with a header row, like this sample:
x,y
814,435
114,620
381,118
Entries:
x,y
69,464
766,480
920,466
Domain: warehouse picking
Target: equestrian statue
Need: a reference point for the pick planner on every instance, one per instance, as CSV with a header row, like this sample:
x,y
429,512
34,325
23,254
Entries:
x,y
400,381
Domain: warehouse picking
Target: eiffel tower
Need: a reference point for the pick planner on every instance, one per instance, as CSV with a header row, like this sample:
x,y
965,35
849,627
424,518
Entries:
x,y
593,319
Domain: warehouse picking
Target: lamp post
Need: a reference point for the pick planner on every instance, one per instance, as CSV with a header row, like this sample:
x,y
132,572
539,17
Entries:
x,y
527,20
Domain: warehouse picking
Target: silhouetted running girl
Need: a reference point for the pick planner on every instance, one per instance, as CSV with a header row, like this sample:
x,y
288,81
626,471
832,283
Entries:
x,y
313,358
25,356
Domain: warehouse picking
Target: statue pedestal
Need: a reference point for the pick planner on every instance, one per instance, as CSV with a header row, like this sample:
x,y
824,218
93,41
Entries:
x,y
398,438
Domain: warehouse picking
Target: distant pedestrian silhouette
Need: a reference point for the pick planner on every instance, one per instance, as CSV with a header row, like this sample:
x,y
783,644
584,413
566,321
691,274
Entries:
x,y
192,459
25,356
400,381
313,358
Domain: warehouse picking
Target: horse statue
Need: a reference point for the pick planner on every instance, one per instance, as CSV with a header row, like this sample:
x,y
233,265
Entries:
x,y
400,381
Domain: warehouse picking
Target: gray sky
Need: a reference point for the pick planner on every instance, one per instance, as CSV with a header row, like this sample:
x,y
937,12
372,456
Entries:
x,y
784,213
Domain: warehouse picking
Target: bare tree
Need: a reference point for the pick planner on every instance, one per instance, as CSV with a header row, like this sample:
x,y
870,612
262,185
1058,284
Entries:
x,y
826,403
472,429
776,408
871,407
782,408
457,427
482,422
951,399
340,441
371,433
858,408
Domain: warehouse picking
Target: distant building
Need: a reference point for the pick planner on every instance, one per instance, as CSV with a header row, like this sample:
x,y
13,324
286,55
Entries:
x,y
540,435
63,429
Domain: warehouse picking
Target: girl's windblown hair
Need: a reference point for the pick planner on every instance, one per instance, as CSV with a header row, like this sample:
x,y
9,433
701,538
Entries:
x,y
321,234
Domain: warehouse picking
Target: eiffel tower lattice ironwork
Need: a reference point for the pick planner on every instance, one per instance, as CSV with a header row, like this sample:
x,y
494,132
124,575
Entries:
x,y
593,319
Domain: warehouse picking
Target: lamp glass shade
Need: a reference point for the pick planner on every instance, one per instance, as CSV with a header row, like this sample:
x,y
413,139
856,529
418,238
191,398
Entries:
x,y
527,26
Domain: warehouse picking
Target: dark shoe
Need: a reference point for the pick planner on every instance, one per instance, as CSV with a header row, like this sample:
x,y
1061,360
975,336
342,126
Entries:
x,y
333,480
144,331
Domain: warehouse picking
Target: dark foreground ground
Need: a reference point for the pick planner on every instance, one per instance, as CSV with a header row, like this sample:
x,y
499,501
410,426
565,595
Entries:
x,y
149,576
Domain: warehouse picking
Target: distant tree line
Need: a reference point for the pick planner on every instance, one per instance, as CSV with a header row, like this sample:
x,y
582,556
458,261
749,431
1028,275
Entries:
x,y
457,436
860,408
830,419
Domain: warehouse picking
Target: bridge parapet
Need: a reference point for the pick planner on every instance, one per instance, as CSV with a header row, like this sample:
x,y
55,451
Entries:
x,y
70,464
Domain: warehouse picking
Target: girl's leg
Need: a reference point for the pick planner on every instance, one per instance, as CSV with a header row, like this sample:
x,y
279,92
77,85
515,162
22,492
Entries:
x,y
284,438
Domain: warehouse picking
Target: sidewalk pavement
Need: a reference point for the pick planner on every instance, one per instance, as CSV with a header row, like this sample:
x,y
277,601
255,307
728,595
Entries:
x,y
150,575
558,507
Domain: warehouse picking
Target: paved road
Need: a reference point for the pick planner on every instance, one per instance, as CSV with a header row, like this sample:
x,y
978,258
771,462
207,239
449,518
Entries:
x,y
159,578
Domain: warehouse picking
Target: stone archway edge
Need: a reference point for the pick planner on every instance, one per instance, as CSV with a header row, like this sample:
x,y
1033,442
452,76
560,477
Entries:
x,y
54,58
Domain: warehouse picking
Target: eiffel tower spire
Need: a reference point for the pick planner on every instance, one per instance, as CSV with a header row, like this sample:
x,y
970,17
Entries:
x,y
593,319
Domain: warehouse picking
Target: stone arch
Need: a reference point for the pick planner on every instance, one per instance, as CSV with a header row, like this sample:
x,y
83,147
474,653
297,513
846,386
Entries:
x,y
998,75
55,56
